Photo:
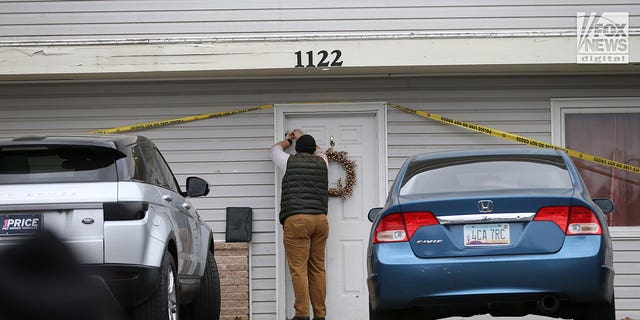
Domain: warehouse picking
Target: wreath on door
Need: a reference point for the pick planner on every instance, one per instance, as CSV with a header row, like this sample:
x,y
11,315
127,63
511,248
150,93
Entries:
x,y
343,190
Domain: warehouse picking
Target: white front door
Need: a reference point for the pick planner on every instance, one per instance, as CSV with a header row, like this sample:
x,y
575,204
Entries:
x,y
357,134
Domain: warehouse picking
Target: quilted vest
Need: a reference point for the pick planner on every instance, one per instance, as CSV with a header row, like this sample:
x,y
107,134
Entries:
x,y
305,186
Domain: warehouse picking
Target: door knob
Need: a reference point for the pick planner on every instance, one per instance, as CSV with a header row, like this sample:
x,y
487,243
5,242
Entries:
x,y
332,142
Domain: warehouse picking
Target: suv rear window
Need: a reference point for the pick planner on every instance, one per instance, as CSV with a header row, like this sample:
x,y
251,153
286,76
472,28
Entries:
x,y
486,173
57,164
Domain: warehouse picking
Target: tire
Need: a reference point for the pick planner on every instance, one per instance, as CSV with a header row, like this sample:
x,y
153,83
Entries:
x,y
206,306
385,314
603,311
163,303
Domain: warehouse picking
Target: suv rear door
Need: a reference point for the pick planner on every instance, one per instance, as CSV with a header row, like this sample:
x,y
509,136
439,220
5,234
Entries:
x,y
58,187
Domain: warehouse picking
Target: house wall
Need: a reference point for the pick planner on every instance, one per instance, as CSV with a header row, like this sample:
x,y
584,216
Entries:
x,y
256,19
232,152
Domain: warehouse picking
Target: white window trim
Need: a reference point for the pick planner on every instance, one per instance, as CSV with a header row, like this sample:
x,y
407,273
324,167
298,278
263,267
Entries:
x,y
561,107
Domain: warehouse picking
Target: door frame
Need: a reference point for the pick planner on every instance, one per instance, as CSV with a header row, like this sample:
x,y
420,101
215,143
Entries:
x,y
281,111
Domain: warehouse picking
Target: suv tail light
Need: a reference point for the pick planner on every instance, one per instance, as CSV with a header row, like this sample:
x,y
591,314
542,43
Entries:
x,y
572,220
400,227
115,211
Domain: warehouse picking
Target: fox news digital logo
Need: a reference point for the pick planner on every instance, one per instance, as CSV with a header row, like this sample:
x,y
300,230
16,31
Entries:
x,y
603,38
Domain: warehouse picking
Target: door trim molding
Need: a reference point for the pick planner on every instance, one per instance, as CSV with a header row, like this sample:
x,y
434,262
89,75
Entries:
x,y
281,111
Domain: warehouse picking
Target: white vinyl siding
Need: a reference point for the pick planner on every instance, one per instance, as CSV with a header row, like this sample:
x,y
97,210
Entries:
x,y
232,152
157,19
410,134
627,267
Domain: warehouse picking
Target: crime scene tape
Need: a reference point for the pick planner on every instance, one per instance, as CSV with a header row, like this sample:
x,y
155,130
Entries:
x,y
458,123
519,139
155,124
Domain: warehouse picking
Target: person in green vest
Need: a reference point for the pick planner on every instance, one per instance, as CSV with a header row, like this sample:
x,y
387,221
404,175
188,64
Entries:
x,y
303,214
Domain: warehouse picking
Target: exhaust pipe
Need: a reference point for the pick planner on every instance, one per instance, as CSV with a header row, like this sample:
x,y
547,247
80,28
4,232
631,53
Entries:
x,y
548,304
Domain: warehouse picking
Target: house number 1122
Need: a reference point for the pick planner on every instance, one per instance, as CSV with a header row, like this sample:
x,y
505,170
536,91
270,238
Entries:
x,y
324,58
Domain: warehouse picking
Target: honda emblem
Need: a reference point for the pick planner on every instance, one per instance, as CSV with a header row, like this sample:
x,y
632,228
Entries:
x,y
485,206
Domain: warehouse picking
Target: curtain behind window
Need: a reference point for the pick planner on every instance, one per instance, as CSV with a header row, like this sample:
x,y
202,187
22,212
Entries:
x,y
614,136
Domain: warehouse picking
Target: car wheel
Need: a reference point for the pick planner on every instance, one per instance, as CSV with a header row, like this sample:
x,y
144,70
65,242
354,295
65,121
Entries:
x,y
603,311
385,314
163,303
206,306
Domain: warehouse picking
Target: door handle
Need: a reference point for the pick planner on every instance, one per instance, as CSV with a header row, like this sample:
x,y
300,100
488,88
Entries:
x,y
167,198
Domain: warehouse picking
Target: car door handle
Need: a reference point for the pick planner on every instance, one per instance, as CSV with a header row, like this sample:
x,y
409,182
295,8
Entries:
x,y
167,198
186,206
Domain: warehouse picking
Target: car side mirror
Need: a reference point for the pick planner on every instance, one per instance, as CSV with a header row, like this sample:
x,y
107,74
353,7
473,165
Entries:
x,y
606,205
197,187
373,213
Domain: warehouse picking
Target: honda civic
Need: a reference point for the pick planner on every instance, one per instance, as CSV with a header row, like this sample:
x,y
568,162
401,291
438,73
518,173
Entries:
x,y
508,232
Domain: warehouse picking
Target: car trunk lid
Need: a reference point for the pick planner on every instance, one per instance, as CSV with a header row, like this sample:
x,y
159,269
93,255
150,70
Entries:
x,y
483,223
72,211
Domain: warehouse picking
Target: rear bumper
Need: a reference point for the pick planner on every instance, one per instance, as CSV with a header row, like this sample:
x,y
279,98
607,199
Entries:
x,y
129,285
579,273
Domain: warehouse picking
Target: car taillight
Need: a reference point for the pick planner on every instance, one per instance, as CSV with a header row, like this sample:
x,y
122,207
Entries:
x,y
115,211
572,220
399,227
415,220
583,221
391,229
558,215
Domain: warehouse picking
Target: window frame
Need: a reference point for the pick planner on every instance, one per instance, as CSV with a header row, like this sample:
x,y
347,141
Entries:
x,y
563,106
155,167
166,173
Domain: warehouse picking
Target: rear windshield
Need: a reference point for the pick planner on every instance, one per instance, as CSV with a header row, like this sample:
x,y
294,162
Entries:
x,y
486,173
56,164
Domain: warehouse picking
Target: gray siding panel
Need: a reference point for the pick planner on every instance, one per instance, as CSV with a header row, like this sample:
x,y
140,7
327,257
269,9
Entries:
x,y
125,19
232,152
627,267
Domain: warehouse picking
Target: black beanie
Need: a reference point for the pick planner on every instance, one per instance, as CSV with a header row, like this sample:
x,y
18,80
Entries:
x,y
306,143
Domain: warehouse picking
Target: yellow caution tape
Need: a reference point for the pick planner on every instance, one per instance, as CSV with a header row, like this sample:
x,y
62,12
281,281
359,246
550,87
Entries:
x,y
458,123
519,139
155,124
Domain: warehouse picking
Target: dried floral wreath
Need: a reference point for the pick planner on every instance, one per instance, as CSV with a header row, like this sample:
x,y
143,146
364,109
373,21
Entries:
x,y
343,191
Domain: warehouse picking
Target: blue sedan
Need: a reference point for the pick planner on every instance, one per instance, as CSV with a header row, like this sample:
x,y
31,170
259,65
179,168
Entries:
x,y
508,232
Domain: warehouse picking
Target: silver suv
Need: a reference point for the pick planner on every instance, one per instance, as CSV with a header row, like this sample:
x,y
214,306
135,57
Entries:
x,y
113,200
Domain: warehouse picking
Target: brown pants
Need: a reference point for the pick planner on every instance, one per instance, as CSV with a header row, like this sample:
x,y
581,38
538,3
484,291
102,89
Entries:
x,y
305,239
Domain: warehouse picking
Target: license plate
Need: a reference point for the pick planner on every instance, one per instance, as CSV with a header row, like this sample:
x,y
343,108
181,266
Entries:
x,y
486,234
20,223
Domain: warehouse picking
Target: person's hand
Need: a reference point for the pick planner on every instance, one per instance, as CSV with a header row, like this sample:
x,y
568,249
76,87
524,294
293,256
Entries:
x,y
288,135
297,133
